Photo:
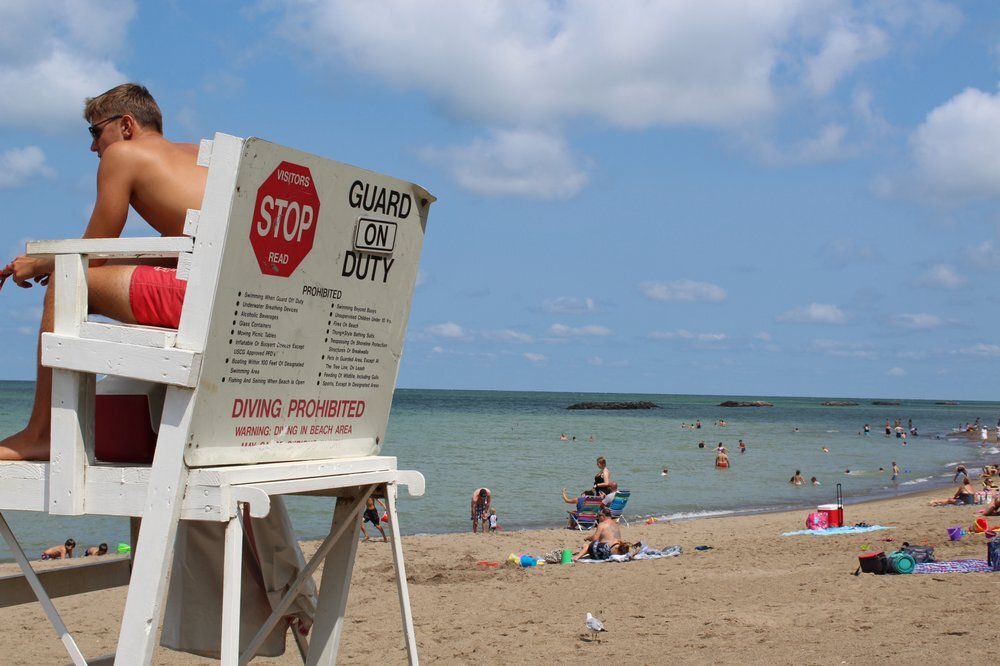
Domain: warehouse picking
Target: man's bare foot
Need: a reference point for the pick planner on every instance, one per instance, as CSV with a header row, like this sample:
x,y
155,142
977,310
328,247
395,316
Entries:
x,y
385,539
23,446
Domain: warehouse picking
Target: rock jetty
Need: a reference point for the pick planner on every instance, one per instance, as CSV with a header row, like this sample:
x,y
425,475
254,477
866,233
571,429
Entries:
x,y
613,405
745,403
885,402
839,403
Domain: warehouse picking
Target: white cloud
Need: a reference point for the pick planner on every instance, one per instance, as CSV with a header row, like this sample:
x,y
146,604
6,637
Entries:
x,y
844,48
896,372
683,334
942,276
631,63
986,255
683,290
55,54
445,330
917,321
843,349
828,145
957,148
535,358
527,163
564,331
845,251
600,361
507,335
873,119
981,350
19,166
815,313
569,305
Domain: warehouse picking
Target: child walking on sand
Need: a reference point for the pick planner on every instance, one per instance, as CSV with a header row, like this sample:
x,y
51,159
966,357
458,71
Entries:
x,y
493,519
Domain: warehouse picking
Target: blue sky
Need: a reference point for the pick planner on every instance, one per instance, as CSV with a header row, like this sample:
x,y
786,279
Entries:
x,y
781,197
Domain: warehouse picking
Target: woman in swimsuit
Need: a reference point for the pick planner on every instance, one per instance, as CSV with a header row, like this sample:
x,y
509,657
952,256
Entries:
x,y
603,477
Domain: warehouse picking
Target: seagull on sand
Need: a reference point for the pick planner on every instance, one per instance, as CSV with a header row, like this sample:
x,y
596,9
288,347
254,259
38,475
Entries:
x,y
594,626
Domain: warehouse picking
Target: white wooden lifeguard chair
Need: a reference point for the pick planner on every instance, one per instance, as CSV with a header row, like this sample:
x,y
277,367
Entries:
x,y
278,381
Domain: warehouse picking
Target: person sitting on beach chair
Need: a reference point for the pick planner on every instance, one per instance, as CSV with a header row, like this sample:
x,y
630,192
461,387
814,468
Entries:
x,y
160,180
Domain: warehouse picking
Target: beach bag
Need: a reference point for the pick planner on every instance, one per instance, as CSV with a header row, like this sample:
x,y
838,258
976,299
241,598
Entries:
x,y
993,554
876,563
817,521
901,562
920,554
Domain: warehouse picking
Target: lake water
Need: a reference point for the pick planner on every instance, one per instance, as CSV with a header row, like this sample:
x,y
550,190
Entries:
x,y
510,442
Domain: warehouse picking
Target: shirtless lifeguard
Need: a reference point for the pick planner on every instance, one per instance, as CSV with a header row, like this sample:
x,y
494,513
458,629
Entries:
x,y
160,180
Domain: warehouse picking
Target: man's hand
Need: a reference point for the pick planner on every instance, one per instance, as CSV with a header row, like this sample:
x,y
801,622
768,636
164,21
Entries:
x,y
25,269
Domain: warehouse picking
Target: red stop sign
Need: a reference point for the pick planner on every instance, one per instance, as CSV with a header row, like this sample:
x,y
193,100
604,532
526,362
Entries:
x,y
284,219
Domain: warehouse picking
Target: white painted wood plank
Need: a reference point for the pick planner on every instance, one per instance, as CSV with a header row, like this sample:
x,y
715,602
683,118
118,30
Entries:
x,y
178,367
129,334
72,434
158,533
403,590
71,294
213,226
156,246
413,480
249,474
232,579
311,485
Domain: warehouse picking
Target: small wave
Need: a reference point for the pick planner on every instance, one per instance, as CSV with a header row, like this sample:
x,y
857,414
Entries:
x,y
695,514
911,482
831,431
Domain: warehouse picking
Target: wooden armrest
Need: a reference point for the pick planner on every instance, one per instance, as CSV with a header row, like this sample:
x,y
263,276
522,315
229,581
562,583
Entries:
x,y
159,246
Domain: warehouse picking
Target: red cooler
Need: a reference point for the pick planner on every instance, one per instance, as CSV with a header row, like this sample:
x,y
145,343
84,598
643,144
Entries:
x,y
834,514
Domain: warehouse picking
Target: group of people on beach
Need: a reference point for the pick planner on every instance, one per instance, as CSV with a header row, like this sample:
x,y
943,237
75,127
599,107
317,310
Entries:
x,y
606,540
65,550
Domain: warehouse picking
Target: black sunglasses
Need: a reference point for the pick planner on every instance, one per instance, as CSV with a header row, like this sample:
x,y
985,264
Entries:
x,y
96,129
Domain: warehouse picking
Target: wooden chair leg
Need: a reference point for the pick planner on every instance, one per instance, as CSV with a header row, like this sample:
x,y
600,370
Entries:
x,y
41,595
338,565
401,586
157,535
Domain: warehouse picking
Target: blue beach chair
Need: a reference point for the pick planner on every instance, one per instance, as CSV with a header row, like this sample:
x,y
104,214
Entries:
x,y
586,516
618,504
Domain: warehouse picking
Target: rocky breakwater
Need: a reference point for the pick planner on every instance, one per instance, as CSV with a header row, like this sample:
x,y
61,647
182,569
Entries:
x,y
613,405
745,403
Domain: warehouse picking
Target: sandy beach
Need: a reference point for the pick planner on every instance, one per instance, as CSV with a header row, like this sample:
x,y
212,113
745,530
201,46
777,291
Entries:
x,y
756,596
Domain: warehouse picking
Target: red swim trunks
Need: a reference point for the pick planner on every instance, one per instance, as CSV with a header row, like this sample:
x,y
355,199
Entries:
x,y
156,296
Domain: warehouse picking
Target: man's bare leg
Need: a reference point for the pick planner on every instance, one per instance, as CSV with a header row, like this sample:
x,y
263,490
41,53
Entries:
x,y
109,297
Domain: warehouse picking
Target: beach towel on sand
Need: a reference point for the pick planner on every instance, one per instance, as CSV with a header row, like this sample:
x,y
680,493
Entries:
x,y
952,566
644,553
839,530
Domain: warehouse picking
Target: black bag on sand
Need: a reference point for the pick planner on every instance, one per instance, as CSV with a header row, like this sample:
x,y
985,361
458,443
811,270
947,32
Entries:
x,y
920,554
876,563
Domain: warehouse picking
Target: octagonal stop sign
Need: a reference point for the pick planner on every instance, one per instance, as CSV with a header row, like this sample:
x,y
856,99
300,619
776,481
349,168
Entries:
x,y
284,219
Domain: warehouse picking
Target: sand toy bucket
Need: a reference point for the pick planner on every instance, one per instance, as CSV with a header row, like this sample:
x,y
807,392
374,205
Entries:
x,y
955,533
